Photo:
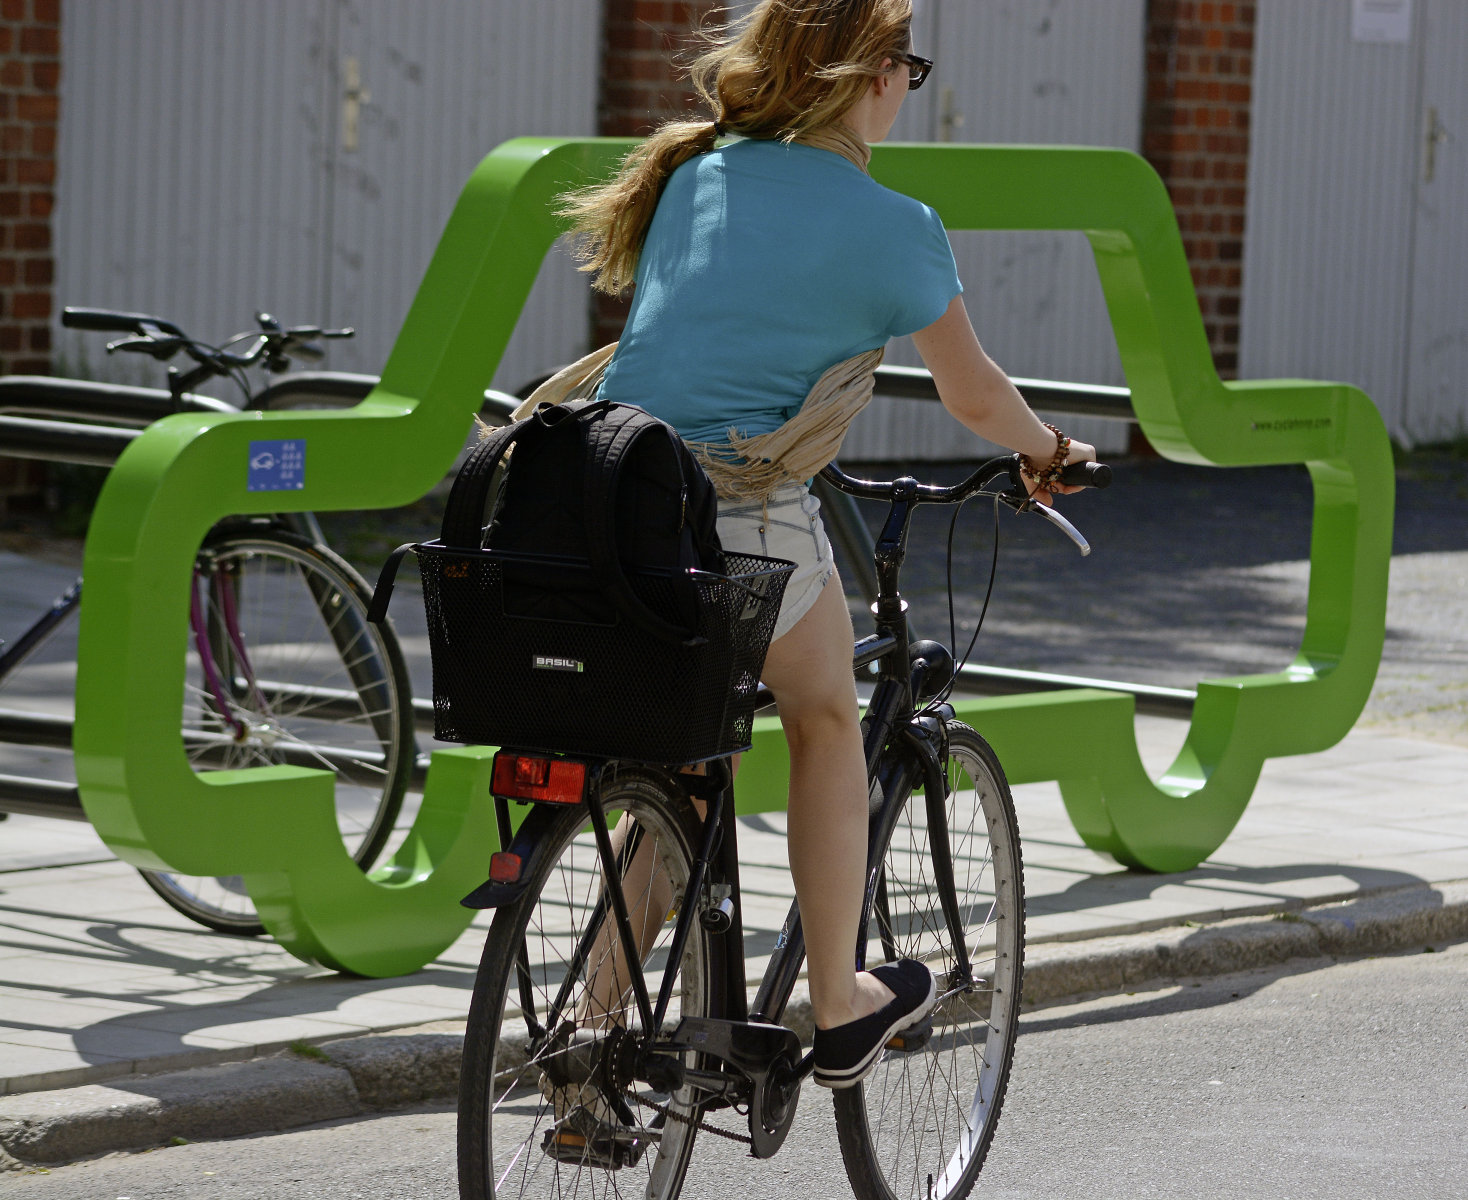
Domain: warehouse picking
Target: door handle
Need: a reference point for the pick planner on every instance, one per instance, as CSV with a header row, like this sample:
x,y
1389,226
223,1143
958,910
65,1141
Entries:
x,y
1437,135
354,95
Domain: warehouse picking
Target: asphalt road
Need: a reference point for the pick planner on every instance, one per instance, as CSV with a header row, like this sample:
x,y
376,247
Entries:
x,y
1313,1080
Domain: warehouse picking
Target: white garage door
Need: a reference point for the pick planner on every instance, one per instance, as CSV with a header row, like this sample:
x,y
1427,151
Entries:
x,y
302,156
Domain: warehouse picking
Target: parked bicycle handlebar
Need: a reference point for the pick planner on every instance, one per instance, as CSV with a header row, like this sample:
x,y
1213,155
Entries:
x,y
274,345
106,320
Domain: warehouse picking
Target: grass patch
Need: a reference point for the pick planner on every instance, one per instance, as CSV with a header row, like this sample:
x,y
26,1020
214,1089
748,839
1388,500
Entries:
x,y
305,1049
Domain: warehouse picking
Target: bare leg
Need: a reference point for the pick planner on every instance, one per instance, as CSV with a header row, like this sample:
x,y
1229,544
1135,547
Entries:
x,y
809,670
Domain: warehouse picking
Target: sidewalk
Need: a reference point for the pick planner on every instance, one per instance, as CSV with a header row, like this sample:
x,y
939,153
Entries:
x,y
99,979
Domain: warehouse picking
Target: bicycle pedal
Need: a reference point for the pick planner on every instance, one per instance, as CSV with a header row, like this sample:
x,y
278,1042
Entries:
x,y
610,1148
915,1037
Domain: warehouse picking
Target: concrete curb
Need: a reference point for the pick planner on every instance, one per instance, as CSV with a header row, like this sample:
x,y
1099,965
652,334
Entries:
x,y
1395,920
358,1075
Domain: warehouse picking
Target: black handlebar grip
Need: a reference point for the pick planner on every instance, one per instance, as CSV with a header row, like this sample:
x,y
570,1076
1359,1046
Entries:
x,y
106,320
1086,474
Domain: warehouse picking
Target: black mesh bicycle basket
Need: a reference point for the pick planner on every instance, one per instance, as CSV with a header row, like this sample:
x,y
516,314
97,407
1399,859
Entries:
x,y
529,653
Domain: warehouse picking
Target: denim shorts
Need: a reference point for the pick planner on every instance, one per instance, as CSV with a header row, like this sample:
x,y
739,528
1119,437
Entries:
x,y
788,527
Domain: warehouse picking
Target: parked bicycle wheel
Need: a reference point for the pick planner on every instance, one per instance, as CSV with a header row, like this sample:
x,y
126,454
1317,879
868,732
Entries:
x,y
921,1124
542,1111
284,668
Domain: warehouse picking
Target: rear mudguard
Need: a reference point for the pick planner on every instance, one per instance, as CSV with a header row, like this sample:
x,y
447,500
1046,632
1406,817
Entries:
x,y
529,844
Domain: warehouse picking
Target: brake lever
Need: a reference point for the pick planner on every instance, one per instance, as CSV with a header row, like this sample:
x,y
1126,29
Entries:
x,y
1048,512
161,348
1065,527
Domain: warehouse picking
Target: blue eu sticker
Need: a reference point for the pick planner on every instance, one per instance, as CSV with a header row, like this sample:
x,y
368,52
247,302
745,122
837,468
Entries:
x,y
277,466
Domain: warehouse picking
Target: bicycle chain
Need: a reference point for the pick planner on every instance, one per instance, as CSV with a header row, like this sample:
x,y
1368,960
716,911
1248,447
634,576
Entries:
x,y
703,1125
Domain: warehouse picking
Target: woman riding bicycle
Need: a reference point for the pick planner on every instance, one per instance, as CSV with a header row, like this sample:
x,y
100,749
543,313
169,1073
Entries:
x,y
770,272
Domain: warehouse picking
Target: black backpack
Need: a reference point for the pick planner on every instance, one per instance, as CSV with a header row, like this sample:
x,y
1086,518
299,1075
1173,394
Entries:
x,y
578,599
594,493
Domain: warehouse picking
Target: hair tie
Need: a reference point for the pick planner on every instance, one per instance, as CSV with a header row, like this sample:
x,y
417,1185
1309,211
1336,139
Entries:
x,y
719,129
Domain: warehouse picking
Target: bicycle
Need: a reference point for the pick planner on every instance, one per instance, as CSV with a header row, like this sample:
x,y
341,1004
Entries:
x,y
283,665
566,1092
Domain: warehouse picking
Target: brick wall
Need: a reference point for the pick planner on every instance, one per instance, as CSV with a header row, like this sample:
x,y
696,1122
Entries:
x,y
1195,132
30,64
640,88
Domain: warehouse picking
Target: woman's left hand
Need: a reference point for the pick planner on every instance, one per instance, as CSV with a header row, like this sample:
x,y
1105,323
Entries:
x,y
1079,452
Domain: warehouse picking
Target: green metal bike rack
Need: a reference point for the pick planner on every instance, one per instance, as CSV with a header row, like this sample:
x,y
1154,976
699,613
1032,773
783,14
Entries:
x,y
275,825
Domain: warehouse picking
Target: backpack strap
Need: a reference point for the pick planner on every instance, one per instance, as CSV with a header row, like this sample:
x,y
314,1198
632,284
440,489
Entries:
x,y
606,451
463,516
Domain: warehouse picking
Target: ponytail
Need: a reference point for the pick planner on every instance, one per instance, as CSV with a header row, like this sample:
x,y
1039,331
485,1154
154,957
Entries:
x,y
793,67
612,218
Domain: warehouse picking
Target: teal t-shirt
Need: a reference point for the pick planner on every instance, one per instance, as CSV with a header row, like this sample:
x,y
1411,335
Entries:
x,y
765,265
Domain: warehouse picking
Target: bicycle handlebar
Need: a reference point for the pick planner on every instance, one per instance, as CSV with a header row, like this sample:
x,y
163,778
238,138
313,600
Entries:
x,y
1083,474
274,345
1086,474
106,320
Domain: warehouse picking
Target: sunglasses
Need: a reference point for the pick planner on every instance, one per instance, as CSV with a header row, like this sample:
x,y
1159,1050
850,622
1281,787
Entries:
x,y
917,69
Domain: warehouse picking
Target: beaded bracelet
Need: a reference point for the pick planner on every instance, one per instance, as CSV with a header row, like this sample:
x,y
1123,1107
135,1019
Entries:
x,y
1048,477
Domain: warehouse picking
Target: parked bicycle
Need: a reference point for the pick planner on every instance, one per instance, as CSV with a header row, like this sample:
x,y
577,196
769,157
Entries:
x,y
572,1087
283,666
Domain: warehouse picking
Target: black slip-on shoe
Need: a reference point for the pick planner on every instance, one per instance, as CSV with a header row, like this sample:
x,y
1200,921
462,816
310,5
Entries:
x,y
845,1055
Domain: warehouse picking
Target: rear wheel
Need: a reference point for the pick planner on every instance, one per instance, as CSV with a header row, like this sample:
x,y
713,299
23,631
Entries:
x,y
920,1126
538,1114
300,677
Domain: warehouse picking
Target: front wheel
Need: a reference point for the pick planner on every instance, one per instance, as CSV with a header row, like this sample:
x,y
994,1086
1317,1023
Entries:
x,y
920,1126
541,1114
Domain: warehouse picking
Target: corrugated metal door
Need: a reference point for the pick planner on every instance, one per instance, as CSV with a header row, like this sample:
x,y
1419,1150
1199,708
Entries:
x,y
430,90
1327,251
1436,406
202,174
1355,263
189,181
1037,71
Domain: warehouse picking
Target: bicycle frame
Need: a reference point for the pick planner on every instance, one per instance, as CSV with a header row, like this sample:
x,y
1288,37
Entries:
x,y
900,742
36,636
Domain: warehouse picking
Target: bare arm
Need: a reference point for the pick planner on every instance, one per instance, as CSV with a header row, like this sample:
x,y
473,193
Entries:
x,y
979,394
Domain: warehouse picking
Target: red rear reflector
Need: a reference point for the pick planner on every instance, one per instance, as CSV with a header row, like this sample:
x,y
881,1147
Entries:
x,y
532,772
504,867
547,780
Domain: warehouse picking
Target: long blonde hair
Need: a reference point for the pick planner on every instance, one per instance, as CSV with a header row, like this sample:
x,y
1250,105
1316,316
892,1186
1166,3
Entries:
x,y
787,69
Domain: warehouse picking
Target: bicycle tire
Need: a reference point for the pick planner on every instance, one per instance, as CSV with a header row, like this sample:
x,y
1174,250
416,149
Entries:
x,y
504,1111
921,1125
334,693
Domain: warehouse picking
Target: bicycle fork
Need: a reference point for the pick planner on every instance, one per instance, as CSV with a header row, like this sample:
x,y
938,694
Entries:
x,y
220,626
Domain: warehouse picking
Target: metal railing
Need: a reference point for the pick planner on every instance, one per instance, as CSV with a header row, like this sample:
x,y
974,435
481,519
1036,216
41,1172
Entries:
x,y
57,420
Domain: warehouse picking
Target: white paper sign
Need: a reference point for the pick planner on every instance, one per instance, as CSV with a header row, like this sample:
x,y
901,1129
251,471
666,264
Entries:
x,y
1381,20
